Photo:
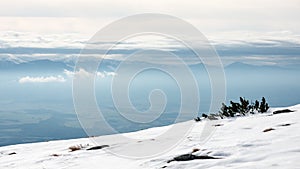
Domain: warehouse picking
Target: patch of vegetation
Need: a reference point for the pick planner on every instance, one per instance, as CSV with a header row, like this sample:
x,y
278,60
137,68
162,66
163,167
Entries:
x,y
235,109
75,148
78,147
243,108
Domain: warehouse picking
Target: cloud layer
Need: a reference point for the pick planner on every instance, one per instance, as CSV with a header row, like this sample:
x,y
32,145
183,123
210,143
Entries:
x,y
277,47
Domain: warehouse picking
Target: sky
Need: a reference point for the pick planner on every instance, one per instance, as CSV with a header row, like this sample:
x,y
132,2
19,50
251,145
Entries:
x,y
234,23
209,16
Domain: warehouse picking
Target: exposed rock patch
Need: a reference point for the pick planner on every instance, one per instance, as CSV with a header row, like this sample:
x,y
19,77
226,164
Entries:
x,y
283,111
189,157
97,147
12,153
283,125
268,129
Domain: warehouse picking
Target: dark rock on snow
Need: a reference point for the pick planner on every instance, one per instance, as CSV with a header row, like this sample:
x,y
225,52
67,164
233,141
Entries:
x,y
268,129
283,125
97,147
188,157
282,111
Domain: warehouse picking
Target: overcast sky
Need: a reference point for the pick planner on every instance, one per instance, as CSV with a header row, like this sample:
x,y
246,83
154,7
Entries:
x,y
87,16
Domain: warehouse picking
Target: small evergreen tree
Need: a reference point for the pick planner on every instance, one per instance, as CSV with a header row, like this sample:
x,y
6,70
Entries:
x,y
263,106
251,108
224,111
244,106
235,108
231,113
204,115
256,105
267,107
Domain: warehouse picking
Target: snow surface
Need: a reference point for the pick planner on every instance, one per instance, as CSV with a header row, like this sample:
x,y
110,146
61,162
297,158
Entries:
x,y
239,143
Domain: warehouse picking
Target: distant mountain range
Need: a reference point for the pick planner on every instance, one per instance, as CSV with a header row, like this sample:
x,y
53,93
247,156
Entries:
x,y
109,65
46,65
36,65
244,66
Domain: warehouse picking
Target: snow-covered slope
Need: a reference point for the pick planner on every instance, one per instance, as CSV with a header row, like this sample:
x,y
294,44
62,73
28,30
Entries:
x,y
237,143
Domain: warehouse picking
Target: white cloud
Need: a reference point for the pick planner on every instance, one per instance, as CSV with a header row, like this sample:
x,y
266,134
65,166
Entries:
x,y
69,73
106,74
42,79
81,73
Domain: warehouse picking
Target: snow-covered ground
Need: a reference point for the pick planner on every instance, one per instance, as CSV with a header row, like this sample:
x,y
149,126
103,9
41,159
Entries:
x,y
237,143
